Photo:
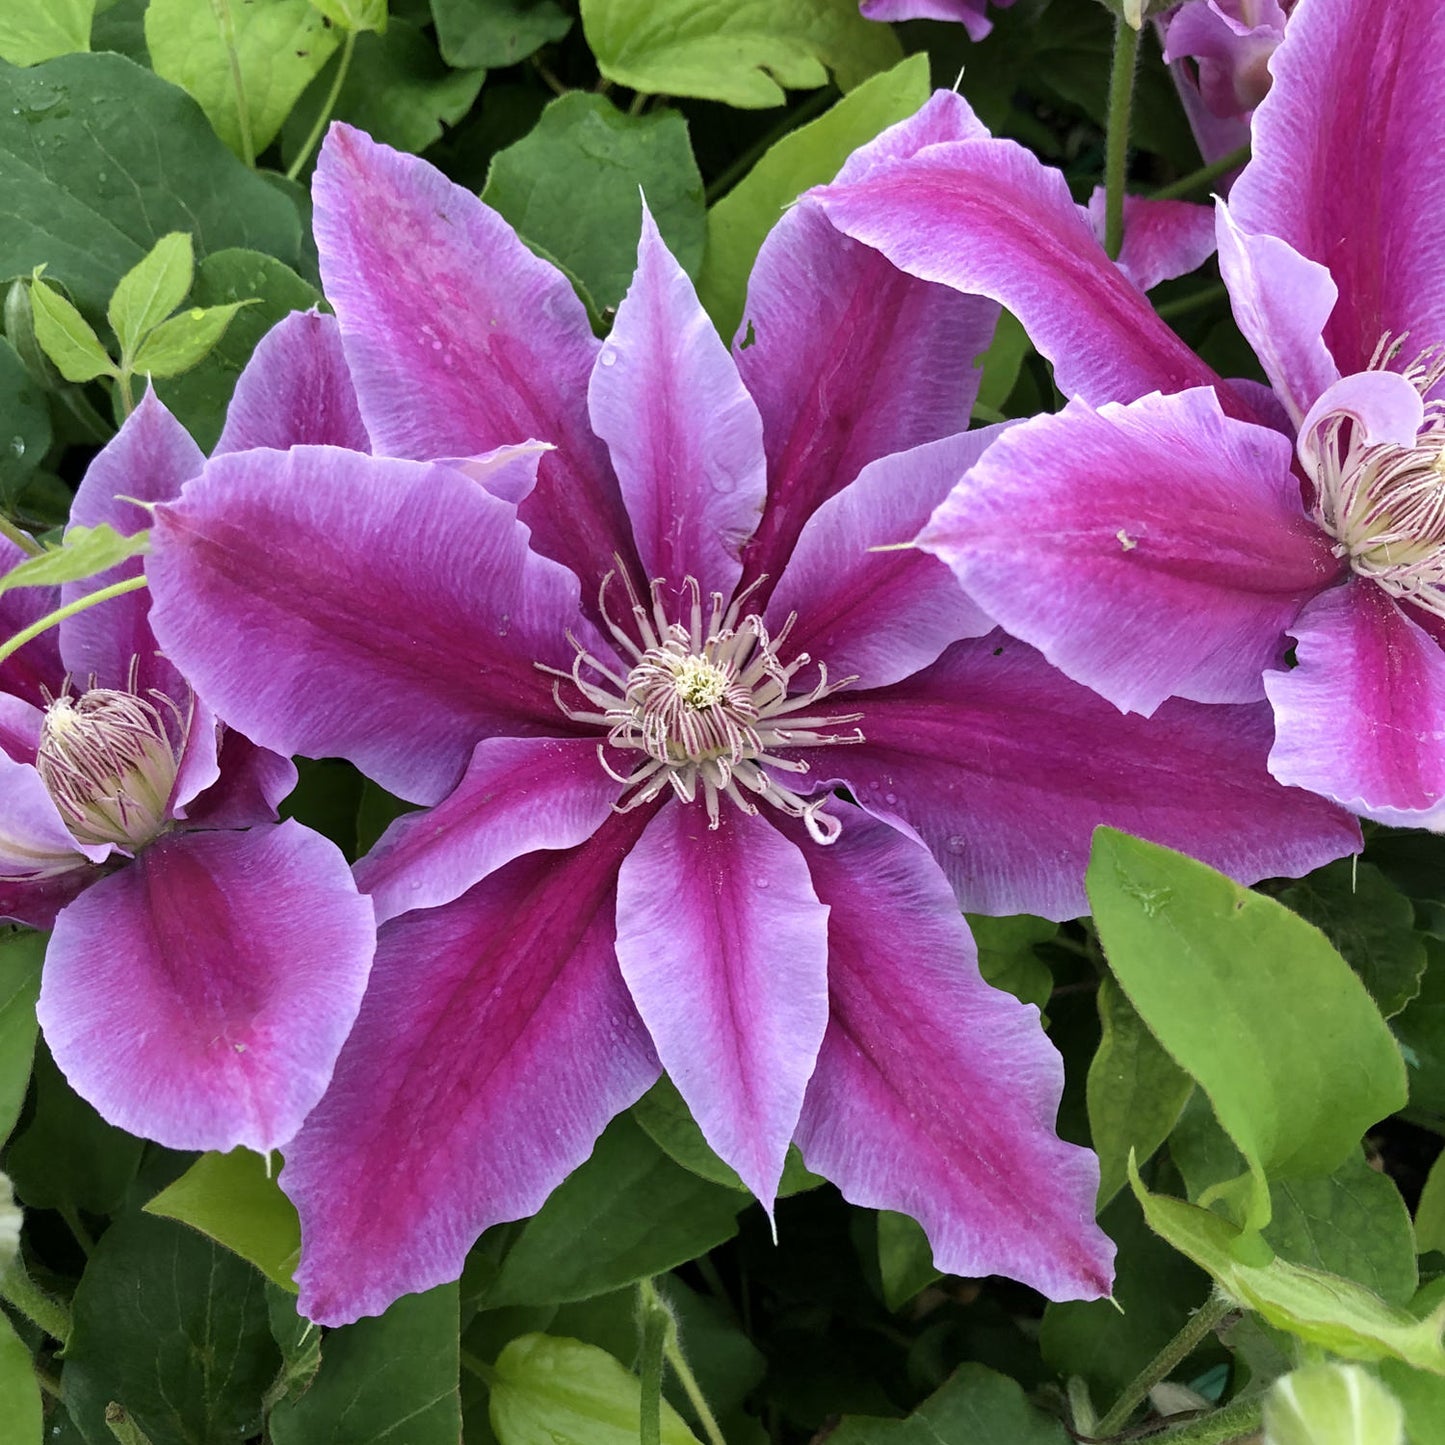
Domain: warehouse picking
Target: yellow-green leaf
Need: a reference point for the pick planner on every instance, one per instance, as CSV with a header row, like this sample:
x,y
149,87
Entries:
x,y
185,340
36,30
66,337
151,290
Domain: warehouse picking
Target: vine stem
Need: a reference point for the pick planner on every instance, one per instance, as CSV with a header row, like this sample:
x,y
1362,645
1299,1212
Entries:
x,y
1197,180
23,540
348,49
1235,1421
19,1290
651,1302
654,1320
1116,153
1196,1329
51,619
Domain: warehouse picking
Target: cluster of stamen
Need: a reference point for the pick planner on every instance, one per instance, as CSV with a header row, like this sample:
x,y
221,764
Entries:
x,y
109,760
1384,503
706,700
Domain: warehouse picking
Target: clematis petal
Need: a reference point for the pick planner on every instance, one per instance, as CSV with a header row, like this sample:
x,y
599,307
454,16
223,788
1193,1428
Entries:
x,y
200,995
1153,550
37,902
295,390
987,218
968,13
724,947
977,1163
1362,718
34,841
496,1041
850,360
880,614
20,724
253,782
1281,301
685,436
1383,405
34,669
518,795
335,604
150,458
458,338
1162,239
1005,768
1346,165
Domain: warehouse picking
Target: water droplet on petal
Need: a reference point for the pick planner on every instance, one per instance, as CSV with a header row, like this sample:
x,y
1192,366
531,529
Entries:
x,y
760,882
957,843
608,357
890,798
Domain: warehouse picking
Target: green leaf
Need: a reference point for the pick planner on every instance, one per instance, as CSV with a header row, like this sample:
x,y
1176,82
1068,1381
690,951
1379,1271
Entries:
x,y
354,14
1332,1405
1252,1003
1323,1309
1135,1091
36,30
629,1212
19,1390
392,1379
555,1392
99,159
1002,363
151,290
1371,923
21,955
663,1114
905,1258
84,552
230,1198
572,183
741,52
1008,954
174,1328
299,1341
1430,1212
808,156
185,340
397,89
496,33
278,46
976,1405
66,337
1421,1031
199,397
66,1156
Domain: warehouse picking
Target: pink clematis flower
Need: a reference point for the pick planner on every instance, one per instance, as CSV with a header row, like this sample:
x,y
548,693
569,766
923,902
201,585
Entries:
x,y
1230,42
206,962
971,14
1157,545
624,688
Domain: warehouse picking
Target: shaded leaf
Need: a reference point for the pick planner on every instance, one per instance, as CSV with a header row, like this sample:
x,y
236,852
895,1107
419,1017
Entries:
x,y
905,1258
496,33
21,955
1008,956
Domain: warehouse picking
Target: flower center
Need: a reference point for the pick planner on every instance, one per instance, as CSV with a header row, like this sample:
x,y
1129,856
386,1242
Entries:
x,y
1385,504
108,761
708,702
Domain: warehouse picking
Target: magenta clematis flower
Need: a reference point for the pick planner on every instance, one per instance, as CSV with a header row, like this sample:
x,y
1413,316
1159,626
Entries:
x,y
206,962
1230,42
1178,545
625,689
971,14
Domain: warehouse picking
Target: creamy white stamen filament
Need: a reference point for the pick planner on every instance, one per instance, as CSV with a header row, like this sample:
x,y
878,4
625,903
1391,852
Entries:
x,y
706,700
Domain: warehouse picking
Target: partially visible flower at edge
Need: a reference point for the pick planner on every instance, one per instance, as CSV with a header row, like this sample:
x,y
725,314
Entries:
x,y
971,14
1177,543
630,856
1230,42
206,962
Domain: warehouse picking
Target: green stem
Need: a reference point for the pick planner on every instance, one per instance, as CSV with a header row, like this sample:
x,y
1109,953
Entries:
x,y
1116,154
473,1366
221,9
51,619
19,1290
654,1321
23,540
348,49
1196,1329
127,396
71,1215
125,1430
1205,175
673,1353
1236,1420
